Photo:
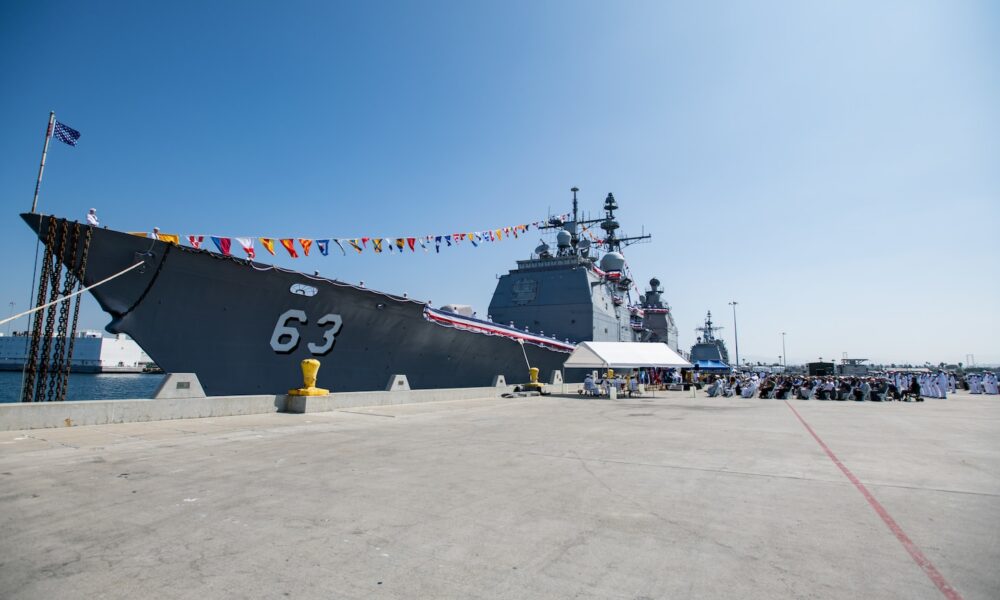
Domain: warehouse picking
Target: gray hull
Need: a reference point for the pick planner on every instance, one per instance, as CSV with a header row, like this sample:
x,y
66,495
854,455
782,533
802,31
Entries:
x,y
228,320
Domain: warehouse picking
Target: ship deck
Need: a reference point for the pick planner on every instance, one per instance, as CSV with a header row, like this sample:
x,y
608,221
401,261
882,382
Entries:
x,y
556,497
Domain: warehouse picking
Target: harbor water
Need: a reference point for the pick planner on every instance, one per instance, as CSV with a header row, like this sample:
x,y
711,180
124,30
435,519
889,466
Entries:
x,y
90,386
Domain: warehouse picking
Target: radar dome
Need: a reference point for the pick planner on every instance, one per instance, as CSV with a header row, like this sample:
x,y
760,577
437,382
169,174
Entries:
x,y
612,261
654,283
563,238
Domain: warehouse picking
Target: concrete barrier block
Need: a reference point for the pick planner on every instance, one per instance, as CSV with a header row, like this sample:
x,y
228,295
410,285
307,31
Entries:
x,y
556,378
398,383
500,381
179,385
299,404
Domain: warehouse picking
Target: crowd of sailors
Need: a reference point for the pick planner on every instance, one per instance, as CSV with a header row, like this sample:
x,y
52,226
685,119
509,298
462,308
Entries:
x,y
877,388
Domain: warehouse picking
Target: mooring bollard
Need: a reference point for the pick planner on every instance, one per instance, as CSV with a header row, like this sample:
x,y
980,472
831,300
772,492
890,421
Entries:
x,y
310,368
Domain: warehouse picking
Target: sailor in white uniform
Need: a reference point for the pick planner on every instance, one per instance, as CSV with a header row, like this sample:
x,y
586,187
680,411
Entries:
x,y
990,384
942,381
92,218
932,386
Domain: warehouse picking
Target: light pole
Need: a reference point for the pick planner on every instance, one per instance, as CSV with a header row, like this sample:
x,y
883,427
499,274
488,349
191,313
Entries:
x,y
736,335
9,323
784,353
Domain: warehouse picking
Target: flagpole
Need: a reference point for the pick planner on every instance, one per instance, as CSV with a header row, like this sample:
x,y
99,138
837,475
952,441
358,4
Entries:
x,y
45,150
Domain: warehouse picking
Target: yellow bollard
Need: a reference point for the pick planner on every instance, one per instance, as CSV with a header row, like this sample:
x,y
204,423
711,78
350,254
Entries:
x,y
310,367
533,384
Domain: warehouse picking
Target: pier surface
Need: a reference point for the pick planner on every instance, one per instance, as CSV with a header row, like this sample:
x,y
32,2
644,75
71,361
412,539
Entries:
x,y
556,497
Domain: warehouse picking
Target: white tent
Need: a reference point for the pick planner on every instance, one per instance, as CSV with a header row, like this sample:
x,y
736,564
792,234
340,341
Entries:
x,y
623,355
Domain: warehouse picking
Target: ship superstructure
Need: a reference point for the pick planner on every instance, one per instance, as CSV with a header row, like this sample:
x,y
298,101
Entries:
x,y
709,347
578,291
656,318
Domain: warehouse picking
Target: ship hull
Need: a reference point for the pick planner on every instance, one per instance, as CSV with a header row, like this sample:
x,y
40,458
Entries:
x,y
244,327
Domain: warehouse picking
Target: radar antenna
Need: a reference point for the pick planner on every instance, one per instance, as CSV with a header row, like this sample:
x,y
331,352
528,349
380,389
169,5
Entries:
x,y
708,329
608,223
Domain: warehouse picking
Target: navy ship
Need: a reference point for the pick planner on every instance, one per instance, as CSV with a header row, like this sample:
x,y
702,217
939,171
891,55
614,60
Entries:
x,y
243,326
708,348
569,291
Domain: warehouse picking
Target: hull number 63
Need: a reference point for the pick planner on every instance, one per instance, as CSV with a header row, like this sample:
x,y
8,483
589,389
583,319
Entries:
x,y
285,338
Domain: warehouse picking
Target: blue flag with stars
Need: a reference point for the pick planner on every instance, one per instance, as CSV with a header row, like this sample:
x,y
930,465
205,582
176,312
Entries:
x,y
66,134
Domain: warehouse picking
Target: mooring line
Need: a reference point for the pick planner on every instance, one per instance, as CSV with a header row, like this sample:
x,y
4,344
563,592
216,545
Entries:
x,y
68,296
520,342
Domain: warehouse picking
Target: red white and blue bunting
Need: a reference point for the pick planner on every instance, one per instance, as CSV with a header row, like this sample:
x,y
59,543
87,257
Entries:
x,y
488,328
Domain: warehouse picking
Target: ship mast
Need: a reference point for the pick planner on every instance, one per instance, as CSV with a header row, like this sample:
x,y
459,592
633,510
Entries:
x,y
708,330
609,224
573,227
575,239
574,189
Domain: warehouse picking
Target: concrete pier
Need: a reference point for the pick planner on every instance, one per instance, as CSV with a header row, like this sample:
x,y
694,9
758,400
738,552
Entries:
x,y
550,497
171,404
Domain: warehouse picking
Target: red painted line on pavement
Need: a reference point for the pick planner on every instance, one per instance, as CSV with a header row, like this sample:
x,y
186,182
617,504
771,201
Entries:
x,y
918,557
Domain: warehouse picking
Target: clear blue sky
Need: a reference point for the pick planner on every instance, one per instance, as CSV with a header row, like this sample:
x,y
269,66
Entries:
x,y
834,167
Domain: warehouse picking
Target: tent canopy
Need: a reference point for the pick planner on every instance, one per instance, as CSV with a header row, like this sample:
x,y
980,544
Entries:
x,y
623,355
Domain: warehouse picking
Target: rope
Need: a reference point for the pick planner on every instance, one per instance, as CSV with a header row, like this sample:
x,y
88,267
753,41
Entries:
x,y
520,343
68,296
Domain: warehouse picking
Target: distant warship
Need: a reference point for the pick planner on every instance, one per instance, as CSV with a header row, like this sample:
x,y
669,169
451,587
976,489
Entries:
x,y
243,327
709,347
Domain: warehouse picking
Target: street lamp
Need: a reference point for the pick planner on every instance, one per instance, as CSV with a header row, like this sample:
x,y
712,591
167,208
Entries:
x,y
736,335
784,353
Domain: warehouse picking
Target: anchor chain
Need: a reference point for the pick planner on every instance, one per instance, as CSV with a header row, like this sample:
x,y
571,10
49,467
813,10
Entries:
x,y
50,315
28,392
55,383
82,271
